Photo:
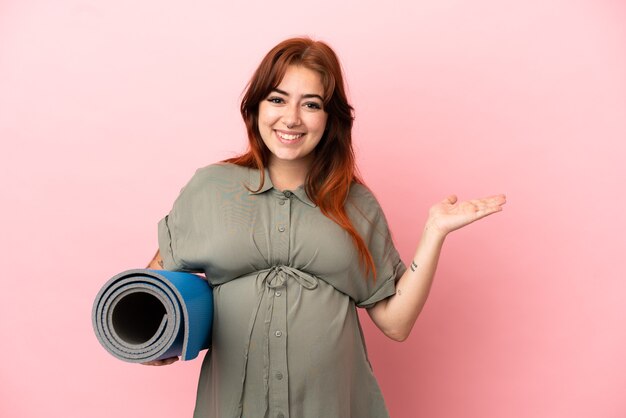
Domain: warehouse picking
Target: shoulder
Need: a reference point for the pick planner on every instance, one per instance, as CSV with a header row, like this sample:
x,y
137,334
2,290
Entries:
x,y
222,170
362,196
215,178
219,172
361,200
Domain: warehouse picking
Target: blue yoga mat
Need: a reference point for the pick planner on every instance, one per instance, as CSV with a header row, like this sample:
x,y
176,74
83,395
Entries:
x,y
144,315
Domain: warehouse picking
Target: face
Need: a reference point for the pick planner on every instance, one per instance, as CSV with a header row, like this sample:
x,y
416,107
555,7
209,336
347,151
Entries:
x,y
292,118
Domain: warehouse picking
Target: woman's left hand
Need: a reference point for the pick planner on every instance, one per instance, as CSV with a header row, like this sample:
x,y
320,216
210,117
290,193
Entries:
x,y
449,214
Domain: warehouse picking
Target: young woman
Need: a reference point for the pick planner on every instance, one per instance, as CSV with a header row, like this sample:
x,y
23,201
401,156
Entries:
x,y
292,242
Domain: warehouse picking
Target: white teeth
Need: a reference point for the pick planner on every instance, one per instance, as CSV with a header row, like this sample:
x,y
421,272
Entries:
x,y
288,137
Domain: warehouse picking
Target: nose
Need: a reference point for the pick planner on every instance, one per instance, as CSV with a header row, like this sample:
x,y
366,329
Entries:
x,y
291,117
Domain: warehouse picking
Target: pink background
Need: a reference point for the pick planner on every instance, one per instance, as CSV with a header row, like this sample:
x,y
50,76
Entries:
x,y
107,108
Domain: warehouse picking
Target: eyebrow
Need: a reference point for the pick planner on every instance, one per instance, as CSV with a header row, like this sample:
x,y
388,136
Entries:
x,y
305,96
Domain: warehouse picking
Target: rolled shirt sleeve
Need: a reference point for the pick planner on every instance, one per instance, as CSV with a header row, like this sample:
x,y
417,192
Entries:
x,y
178,225
165,246
369,219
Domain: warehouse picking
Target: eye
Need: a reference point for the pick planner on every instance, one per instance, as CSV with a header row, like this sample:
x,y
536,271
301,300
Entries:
x,y
275,100
313,105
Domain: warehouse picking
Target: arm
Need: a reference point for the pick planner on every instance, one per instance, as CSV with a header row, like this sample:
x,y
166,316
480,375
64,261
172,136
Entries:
x,y
396,315
157,264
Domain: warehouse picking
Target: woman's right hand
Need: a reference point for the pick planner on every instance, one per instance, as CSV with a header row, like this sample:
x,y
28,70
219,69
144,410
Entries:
x,y
163,362
157,264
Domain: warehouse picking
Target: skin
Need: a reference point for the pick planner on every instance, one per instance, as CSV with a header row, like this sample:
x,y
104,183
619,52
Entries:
x,y
296,107
396,315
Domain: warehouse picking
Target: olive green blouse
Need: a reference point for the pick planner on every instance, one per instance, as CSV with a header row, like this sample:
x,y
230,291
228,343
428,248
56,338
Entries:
x,y
286,339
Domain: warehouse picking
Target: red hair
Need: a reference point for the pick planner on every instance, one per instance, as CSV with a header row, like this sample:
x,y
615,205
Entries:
x,y
333,169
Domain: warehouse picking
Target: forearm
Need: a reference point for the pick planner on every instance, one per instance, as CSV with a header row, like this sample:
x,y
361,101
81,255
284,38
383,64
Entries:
x,y
156,263
396,315
400,311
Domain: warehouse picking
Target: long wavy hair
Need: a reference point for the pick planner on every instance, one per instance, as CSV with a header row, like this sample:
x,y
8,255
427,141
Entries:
x,y
333,169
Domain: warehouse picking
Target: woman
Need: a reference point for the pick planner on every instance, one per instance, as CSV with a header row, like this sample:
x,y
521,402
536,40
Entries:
x,y
293,242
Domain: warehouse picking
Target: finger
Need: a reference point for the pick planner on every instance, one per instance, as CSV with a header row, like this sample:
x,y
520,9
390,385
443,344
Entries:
x,y
163,362
450,199
471,205
481,213
499,199
493,201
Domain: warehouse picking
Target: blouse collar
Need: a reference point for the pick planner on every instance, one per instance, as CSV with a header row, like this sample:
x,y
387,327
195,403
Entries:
x,y
254,178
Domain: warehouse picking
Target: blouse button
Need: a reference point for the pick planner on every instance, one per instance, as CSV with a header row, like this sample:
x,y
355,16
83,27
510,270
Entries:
x,y
281,228
277,293
278,333
287,193
279,375
280,415
281,202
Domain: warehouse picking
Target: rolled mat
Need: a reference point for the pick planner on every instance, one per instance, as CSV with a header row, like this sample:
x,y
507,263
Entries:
x,y
144,315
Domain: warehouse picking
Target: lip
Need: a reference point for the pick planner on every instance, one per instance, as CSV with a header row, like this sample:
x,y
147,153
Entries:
x,y
278,133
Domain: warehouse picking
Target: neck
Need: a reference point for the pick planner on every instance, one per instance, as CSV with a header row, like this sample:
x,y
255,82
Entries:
x,y
288,175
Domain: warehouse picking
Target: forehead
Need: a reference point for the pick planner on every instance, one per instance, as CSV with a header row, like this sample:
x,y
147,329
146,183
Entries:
x,y
301,80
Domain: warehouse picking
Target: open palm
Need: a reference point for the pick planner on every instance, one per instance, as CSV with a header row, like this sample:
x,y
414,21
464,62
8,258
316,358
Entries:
x,y
449,214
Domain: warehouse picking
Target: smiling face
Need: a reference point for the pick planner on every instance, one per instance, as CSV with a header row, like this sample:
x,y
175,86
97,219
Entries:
x,y
292,118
